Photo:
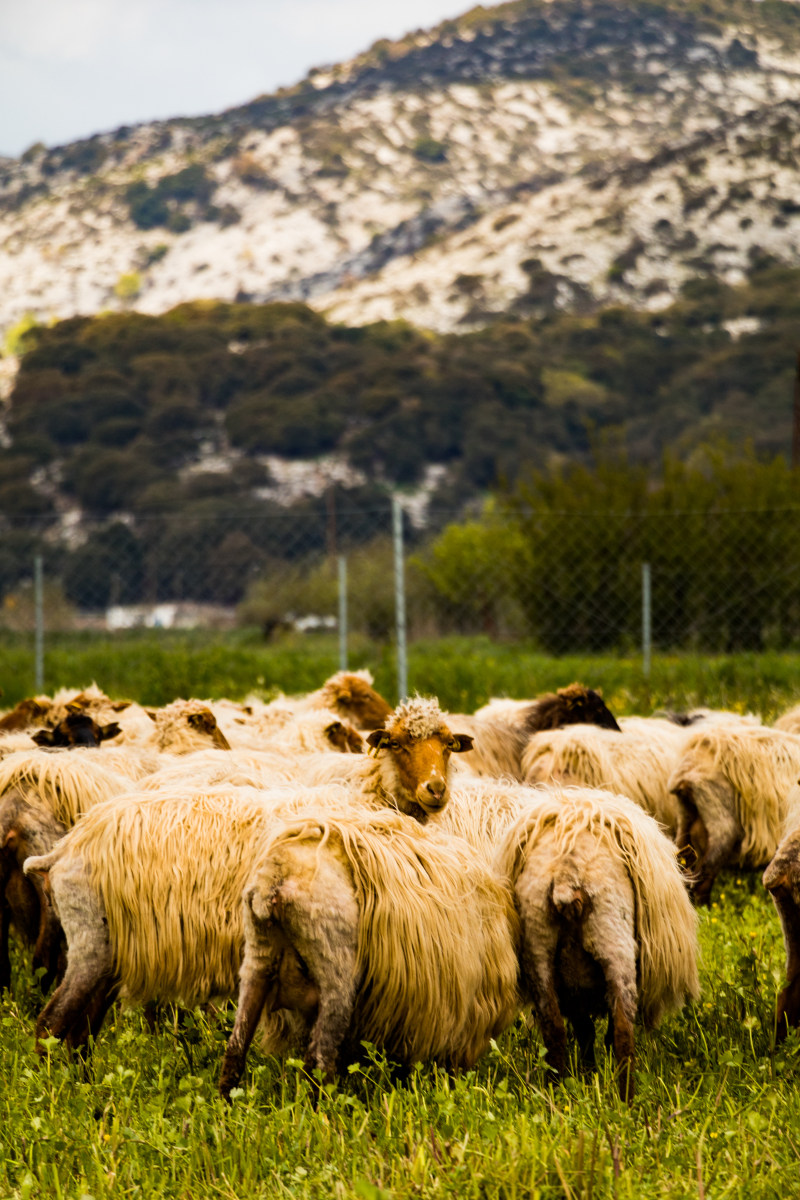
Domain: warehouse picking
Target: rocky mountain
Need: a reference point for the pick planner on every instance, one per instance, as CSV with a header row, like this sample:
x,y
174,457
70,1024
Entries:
x,y
525,158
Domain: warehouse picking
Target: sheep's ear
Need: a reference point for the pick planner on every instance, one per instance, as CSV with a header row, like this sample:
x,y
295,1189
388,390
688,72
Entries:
x,y
461,742
377,739
151,714
121,705
44,737
108,731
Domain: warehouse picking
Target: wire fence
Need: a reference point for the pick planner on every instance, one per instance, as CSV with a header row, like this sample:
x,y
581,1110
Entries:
x,y
716,581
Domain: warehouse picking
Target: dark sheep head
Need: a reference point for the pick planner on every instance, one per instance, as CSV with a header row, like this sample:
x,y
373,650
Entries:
x,y
76,729
573,705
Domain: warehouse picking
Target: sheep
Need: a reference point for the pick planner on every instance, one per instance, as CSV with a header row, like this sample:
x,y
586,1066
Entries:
x,y
636,763
782,881
186,725
348,694
42,794
571,705
607,926
731,785
317,729
365,926
76,729
111,866
502,728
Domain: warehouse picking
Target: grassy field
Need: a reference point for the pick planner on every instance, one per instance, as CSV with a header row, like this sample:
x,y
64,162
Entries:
x,y
154,668
717,1111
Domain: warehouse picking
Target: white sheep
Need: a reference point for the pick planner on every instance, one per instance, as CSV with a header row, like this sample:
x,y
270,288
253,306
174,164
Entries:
x,y
365,926
607,926
732,785
636,763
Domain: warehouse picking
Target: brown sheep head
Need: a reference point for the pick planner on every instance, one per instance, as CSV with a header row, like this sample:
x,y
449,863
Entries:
x,y
28,712
352,695
76,729
416,745
573,705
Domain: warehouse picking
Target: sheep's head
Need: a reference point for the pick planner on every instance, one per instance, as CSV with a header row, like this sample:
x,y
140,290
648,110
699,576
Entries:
x,y
76,729
415,747
187,725
28,712
351,694
573,705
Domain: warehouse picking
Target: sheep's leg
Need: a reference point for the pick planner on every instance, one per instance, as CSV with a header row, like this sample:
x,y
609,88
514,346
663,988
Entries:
x,y
89,965
327,943
788,1014
611,943
258,984
538,961
48,949
5,960
90,1020
583,1024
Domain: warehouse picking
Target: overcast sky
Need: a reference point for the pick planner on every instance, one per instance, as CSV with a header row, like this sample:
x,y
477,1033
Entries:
x,y
71,68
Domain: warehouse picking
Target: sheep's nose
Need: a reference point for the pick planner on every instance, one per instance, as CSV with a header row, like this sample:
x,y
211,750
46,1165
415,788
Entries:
x,y
435,789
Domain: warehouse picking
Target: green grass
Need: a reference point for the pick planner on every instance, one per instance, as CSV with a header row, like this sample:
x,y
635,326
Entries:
x,y
716,1112
715,1103
463,672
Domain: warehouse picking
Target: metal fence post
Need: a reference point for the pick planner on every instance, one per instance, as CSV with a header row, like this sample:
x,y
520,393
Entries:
x,y
38,605
647,620
400,601
342,613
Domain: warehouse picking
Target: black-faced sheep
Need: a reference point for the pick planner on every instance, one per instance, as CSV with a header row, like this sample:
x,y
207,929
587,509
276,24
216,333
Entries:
x,y
501,729
732,785
607,926
365,926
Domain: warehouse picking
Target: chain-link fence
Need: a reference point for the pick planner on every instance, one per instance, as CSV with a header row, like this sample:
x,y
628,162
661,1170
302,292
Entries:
x,y
721,580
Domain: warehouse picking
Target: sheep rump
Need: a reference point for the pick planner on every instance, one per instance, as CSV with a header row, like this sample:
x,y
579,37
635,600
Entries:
x,y
581,823
436,932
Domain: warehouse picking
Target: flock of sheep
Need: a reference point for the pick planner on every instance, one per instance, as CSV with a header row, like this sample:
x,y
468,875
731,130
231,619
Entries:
x,y
410,877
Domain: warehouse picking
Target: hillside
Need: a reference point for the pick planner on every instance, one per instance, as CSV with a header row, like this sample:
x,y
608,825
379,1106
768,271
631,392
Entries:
x,y
528,158
190,452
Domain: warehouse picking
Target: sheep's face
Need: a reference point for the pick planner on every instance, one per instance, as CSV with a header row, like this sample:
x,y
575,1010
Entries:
x,y
415,768
77,729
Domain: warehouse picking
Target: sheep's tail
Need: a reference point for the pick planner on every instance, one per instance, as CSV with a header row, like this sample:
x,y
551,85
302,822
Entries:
x,y
568,894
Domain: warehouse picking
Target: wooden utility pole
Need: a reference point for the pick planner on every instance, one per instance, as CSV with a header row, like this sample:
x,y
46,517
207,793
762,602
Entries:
x,y
796,418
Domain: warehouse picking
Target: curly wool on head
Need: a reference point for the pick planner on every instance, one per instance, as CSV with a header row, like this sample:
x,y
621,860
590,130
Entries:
x,y
419,717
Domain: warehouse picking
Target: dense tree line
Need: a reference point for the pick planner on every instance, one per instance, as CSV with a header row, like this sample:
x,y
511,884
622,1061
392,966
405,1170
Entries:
x,y
107,414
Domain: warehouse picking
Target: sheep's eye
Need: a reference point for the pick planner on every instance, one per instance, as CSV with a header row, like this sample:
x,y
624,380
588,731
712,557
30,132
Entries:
x,y
394,745
453,745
